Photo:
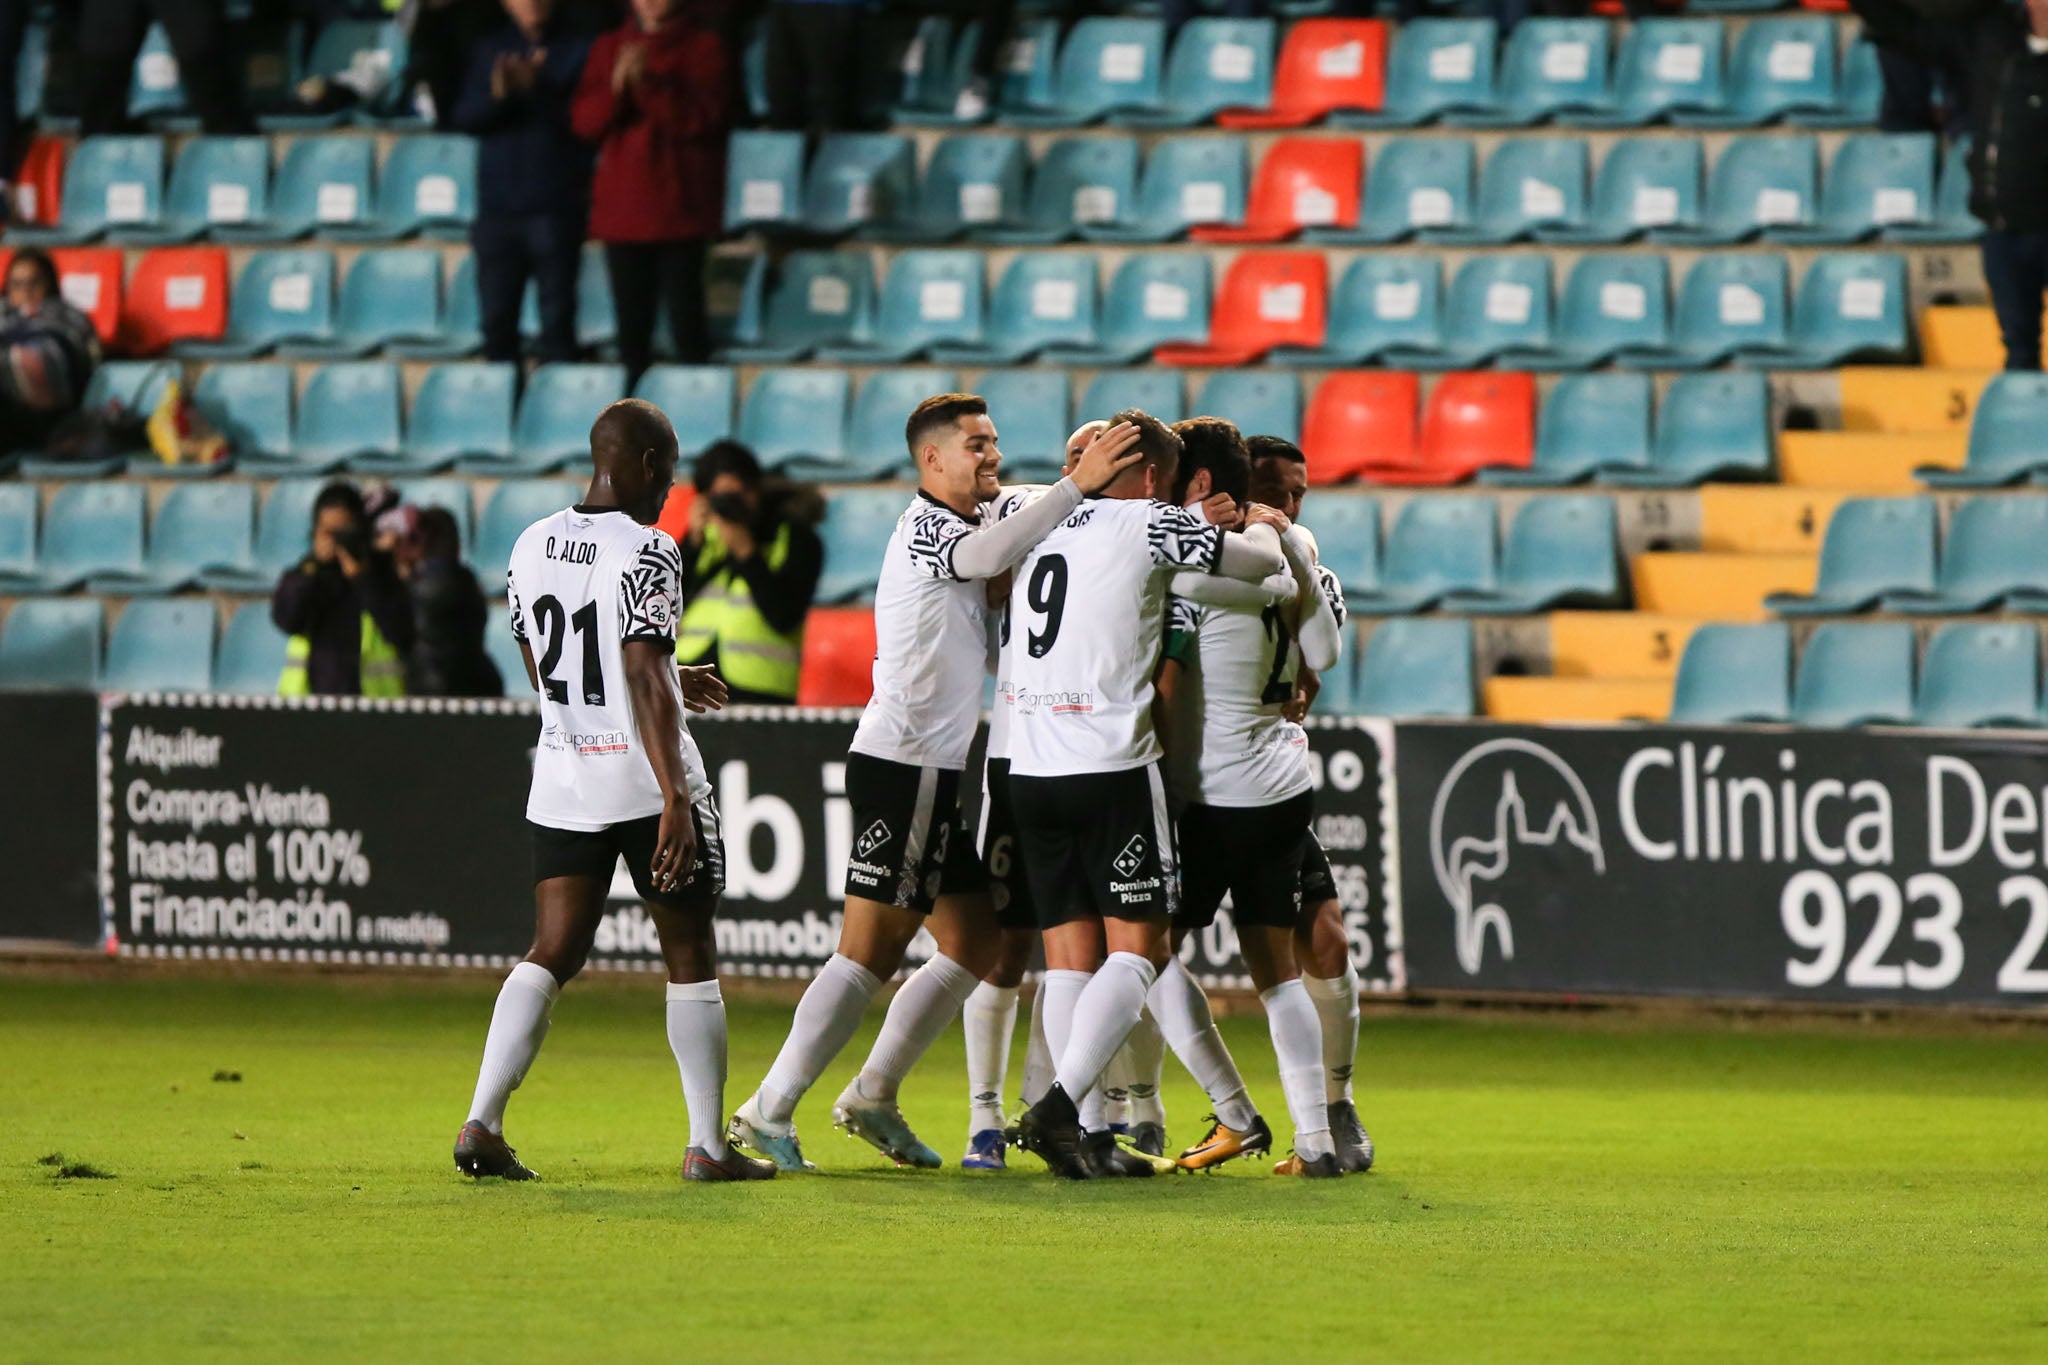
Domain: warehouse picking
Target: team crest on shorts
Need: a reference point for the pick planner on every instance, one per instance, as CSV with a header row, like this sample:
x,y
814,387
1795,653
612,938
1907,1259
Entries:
x,y
1132,858
873,838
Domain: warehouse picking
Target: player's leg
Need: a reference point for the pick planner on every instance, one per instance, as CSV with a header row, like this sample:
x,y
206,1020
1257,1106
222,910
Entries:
x,y
1323,948
1144,1057
989,1019
1038,1064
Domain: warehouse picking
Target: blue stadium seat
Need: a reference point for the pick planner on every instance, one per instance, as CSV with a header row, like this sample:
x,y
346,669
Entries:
x,y
934,68
323,184
1734,675
817,298
857,179
1414,184
1439,546
251,405
18,505
874,430
1157,299
136,387
388,296
1031,69
1105,65
763,180
165,645
1710,426
698,399
156,89
91,529
1779,66
1437,66
1382,300
1980,676
349,412
858,524
251,653
200,526
1216,64
428,184
973,180
1044,298
514,505
1497,303
52,645
216,180
450,493
1589,420
1729,304
281,298
930,297
461,411
1665,67
1029,408
1950,220
1996,549
796,413
109,182
1347,531
1643,183
284,532
1551,68
1762,181
1413,669
1876,180
1188,181
1850,306
2005,435
458,332
552,426
597,326
1527,183
335,51
1612,303
1261,402
1560,552
1079,181
1873,546
1157,391
1854,675
1860,96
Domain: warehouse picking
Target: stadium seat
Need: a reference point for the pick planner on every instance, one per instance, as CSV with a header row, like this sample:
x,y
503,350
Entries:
x,y
856,531
1105,65
1710,426
973,180
1078,182
251,405
1643,183
323,184
18,504
1347,531
284,529
1031,71
1779,66
1612,303
514,505
136,387
109,183
1665,67
1268,299
839,657
1497,303
1873,546
1325,65
452,494
1159,392
1413,669
462,411
161,646
200,526
1762,181
1729,304
1044,297
874,429
91,528
251,653
698,399
1560,552
1996,548
52,645
216,180
1415,184
933,69
597,325
1850,306
281,297
1437,66
1859,97
929,297
1438,546
797,412
343,45
1187,181
1587,421
1950,219
1527,183
817,298
1156,299
1855,675
1383,300
1260,402
1469,421
763,180
1301,182
39,184
388,297
2005,436
1875,181
1551,68
1029,408
1216,64
457,333
857,179
89,277
1360,417
1734,675
349,413
552,425
1980,676
427,185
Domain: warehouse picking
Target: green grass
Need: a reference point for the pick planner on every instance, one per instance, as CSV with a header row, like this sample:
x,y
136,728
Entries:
x,y
1552,1187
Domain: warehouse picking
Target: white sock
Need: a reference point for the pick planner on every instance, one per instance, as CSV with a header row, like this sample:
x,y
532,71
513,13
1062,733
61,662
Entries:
x,y
825,1020
1058,994
1298,1044
1092,1107
1146,1049
989,1019
696,1034
1103,1017
1037,1052
1116,1087
519,1022
1183,1013
927,1002
1337,1007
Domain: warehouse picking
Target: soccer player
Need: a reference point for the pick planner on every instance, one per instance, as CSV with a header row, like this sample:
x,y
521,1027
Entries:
x,y
1087,610
594,593
912,864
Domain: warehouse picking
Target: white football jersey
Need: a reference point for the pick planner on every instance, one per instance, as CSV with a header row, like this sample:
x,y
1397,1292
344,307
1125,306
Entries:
x,y
582,583
1086,613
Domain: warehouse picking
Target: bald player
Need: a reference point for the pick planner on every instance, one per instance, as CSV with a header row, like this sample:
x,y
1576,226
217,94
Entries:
x,y
594,594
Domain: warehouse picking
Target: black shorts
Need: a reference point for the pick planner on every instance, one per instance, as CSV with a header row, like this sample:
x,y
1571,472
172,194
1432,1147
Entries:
x,y
1317,882
1256,853
909,846
1008,887
596,852
1097,844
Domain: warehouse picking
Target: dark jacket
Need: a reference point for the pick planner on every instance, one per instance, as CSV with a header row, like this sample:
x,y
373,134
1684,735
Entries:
x,y
321,603
1986,52
661,145
529,160
448,658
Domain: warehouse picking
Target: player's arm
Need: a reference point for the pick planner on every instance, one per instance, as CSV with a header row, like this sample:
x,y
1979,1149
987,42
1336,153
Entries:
x,y
1211,591
519,631
649,593
986,551
1183,626
1320,630
1181,538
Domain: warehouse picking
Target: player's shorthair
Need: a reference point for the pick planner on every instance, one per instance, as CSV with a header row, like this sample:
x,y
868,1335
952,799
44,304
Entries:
x,y
940,410
1214,444
1274,448
1156,441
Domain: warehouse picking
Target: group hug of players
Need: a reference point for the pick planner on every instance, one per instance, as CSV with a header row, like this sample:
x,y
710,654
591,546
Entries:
x,y
1154,622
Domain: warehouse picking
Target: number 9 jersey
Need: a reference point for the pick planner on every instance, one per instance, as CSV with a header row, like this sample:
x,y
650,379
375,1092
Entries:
x,y
582,583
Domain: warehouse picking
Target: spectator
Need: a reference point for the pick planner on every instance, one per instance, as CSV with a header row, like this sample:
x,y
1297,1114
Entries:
x,y
657,98
49,349
444,34
110,39
1999,54
814,49
344,607
533,176
750,569
448,615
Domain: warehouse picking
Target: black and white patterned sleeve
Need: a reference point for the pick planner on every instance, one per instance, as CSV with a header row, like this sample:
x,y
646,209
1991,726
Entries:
x,y
518,607
934,534
650,590
1333,592
1183,539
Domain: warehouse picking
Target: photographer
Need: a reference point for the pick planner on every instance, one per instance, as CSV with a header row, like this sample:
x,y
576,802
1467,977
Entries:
x,y
750,569
344,607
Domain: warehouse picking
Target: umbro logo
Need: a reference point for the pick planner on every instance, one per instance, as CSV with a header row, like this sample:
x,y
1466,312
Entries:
x,y
1132,858
875,836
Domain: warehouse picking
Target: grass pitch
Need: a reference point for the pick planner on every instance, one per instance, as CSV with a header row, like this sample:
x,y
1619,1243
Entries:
x,y
1552,1187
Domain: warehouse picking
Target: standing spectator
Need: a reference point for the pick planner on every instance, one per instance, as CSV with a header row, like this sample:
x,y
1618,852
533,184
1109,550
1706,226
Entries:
x,y
750,569
344,608
448,658
444,33
814,56
533,176
2000,55
48,351
657,99
110,39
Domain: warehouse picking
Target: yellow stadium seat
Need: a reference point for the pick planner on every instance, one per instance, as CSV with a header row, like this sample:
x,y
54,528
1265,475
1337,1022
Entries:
x,y
1765,519
1722,586
1585,700
1895,398
1865,461
1962,338
1617,644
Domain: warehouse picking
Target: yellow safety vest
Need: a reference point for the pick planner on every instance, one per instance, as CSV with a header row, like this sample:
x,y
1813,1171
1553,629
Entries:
x,y
751,654
382,669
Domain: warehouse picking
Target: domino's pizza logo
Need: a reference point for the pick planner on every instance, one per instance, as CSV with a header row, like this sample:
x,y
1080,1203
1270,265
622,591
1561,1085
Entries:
x,y
1132,858
871,839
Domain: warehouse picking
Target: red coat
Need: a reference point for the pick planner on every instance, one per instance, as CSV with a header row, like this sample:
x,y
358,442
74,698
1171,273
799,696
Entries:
x,y
661,145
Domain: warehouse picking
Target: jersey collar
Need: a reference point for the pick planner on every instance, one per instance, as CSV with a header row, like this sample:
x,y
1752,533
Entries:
x,y
948,507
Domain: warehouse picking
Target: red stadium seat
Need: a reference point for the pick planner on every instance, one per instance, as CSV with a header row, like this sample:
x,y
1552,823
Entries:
x,y
92,284
1356,418
1473,420
839,657
1268,299
1325,65
1302,182
177,294
675,513
39,188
